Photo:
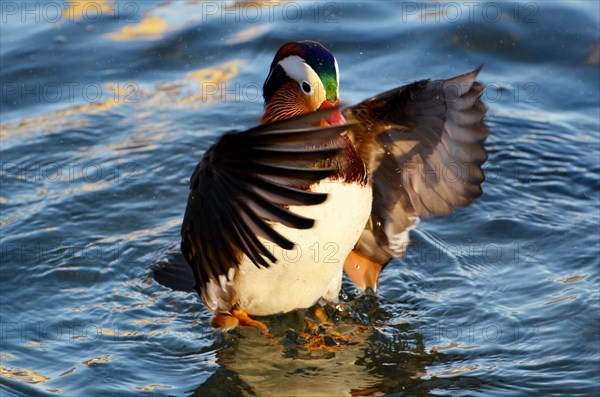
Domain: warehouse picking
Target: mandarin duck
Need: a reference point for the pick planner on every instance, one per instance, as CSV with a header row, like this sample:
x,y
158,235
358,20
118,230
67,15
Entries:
x,y
277,212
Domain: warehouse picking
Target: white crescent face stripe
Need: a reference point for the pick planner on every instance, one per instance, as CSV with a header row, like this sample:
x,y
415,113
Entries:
x,y
297,69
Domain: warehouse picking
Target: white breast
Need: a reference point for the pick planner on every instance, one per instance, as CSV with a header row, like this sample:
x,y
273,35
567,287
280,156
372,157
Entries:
x,y
313,269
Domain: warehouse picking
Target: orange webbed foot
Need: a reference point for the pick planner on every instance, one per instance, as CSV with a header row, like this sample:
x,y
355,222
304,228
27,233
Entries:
x,y
321,335
362,271
225,321
245,320
320,314
329,340
228,320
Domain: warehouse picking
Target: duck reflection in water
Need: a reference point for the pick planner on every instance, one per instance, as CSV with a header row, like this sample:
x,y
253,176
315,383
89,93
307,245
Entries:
x,y
362,354
372,362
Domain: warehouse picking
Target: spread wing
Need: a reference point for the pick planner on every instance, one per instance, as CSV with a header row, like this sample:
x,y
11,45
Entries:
x,y
244,183
423,144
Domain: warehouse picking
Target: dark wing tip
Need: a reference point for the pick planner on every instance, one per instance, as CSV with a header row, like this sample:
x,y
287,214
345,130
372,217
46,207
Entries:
x,y
468,76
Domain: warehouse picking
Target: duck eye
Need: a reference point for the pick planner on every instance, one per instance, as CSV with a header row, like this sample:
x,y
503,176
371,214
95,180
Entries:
x,y
306,87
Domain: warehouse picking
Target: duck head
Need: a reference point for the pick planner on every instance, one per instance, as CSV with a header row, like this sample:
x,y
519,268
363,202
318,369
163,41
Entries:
x,y
304,77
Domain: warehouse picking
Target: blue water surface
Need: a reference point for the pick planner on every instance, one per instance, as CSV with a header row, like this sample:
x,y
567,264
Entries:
x,y
108,106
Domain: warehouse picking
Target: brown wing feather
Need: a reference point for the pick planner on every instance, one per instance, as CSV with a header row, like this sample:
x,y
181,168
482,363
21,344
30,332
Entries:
x,y
244,183
423,144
